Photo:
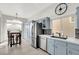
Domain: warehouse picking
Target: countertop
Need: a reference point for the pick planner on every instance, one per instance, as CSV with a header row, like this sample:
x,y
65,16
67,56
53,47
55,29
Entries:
x,y
69,39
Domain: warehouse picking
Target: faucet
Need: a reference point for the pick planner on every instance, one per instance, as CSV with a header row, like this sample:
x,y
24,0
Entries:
x,y
58,34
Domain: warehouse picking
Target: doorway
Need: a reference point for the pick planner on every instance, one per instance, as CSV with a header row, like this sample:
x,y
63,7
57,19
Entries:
x,y
14,30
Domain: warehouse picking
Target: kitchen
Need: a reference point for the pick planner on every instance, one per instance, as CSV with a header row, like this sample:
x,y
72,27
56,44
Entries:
x,y
53,30
60,35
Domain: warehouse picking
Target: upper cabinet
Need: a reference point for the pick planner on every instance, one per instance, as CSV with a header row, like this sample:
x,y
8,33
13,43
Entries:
x,y
46,23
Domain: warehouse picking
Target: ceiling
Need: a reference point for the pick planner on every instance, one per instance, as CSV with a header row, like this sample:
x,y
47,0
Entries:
x,y
25,10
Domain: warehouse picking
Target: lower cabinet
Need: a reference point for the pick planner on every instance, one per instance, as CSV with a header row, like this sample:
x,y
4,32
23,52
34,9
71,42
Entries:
x,y
73,49
50,46
60,47
56,46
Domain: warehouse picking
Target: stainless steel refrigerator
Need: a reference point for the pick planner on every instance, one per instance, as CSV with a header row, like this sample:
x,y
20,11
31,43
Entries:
x,y
36,31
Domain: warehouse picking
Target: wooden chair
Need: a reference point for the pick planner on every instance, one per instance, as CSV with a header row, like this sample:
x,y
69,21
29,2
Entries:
x,y
12,40
18,39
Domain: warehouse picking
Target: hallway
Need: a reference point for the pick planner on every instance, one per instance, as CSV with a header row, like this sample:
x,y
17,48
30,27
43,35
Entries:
x,y
24,49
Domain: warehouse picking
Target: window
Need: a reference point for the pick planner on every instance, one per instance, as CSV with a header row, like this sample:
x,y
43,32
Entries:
x,y
64,25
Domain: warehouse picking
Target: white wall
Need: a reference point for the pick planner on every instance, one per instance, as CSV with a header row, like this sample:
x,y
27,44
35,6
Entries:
x,y
50,11
3,28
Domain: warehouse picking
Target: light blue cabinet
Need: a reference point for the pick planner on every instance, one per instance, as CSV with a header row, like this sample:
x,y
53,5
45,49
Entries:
x,y
60,47
50,46
73,49
56,46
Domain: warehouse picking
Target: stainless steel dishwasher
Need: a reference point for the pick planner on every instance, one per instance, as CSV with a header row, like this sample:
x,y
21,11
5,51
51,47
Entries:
x,y
43,43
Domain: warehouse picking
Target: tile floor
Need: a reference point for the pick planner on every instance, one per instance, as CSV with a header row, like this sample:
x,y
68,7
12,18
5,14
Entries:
x,y
24,49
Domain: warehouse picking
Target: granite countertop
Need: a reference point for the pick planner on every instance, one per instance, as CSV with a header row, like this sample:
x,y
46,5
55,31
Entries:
x,y
69,39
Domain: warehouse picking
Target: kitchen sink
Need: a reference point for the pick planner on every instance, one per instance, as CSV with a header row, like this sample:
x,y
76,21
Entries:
x,y
59,37
55,36
63,38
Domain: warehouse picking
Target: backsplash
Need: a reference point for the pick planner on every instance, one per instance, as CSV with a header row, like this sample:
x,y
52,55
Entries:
x,y
47,31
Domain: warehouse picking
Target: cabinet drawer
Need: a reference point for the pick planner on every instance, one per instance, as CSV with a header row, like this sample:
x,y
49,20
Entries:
x,y
73,46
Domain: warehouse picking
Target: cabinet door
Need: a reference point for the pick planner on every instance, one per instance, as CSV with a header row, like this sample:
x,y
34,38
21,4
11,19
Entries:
x,y
43,43
60,48
43,23
50,46
46,23
73,49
